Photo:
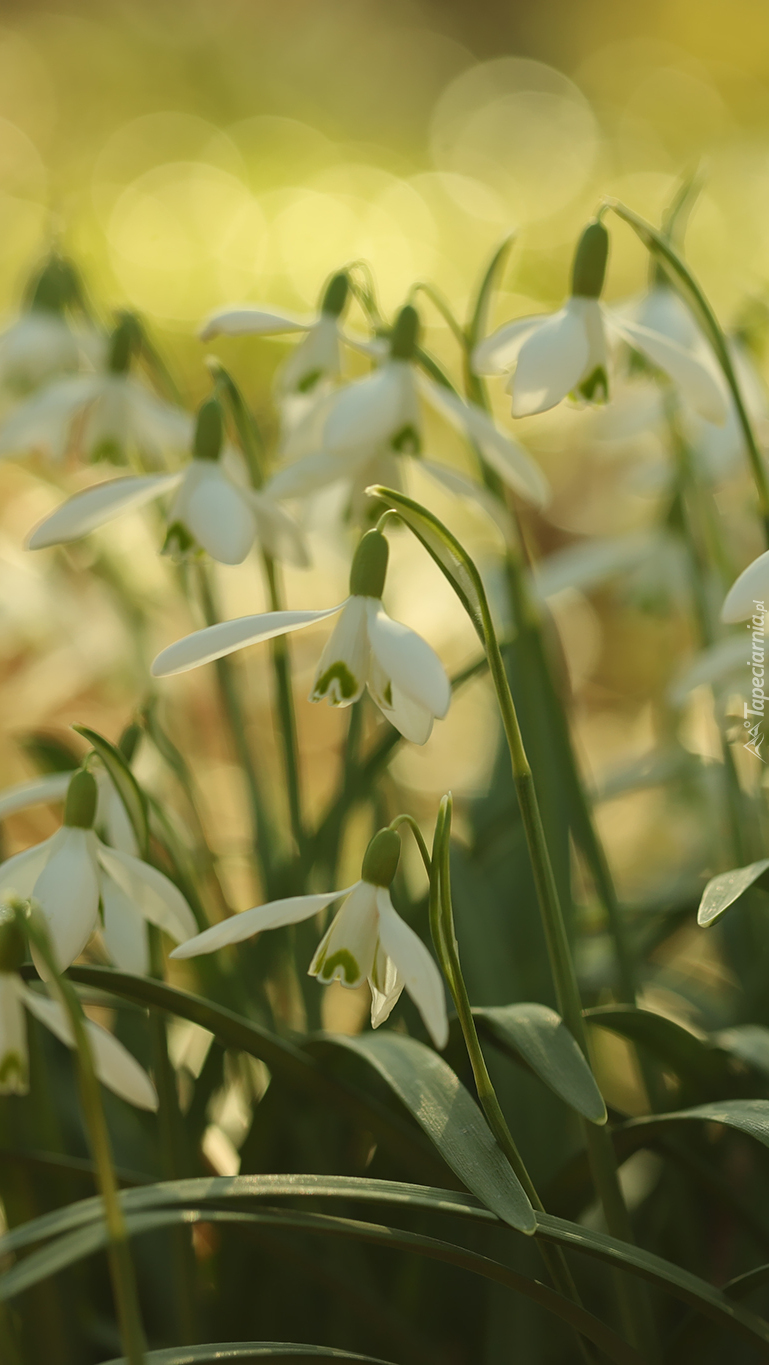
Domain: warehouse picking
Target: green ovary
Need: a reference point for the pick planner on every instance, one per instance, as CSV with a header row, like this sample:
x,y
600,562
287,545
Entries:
x,y
346,684
343,960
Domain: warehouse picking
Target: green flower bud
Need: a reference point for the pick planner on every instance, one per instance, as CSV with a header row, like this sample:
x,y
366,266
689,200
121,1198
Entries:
x,y
590,259
369,566
55,287
335,296
209,432
124,342
380,860
13,940
404,337
80,809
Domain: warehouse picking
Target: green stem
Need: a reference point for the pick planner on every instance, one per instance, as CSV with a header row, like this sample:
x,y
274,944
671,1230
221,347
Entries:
x,y
695,298
419,838
118,1250
447,948
285,698
443,307
264,838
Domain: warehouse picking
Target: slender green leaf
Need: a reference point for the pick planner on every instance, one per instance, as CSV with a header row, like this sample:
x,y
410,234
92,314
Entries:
x,y
452,1120
749,1043
127,787
285,1060
249,1351
200,1192
693,1056
538,1035
75,1246
747,1116
478,317
728,887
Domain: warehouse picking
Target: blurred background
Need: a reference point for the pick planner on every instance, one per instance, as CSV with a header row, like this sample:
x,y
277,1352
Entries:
x,y
190,156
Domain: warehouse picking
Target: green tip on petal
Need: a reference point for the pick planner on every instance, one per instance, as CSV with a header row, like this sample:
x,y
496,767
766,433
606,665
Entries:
x,y
590,259
381,858
209,432
369,566
80,809
404,337
335,296
124,343
13,940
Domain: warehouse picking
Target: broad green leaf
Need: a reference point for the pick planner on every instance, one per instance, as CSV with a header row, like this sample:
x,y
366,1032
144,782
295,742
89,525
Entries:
x,y
540,1037
747,1116
691,1055
285,1060
73,1247
249,1350
452,1120
749,1043
479,315
197,1193
443,547
724,890
128,789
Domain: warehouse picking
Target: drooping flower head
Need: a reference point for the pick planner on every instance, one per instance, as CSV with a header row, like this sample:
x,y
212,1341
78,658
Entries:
x,y
52,336
366,649
211,507
107,414
114,1065
366,941
359,432
552,356
316,358
72,873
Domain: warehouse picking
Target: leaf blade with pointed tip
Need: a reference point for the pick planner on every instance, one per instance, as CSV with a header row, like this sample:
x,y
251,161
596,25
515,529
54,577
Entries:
x,y
542,1039
723,890
127,787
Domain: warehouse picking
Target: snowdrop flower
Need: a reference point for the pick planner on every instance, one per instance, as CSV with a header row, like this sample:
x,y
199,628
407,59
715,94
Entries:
x,y
367,940
209,507
73,871
349,434
114,1065
316,357
748,594
45,341
568,352
366,649
124,928
102,415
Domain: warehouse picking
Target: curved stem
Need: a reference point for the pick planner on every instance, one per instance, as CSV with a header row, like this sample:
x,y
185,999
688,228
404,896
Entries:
x,y
436,298
418,837
287,715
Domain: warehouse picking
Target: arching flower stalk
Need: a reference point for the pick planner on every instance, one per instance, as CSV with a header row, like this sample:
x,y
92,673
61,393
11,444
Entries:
x,y
366,941
551,356
367,649
73,872
209,508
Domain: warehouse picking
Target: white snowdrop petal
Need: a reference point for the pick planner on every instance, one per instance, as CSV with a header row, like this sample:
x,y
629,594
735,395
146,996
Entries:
x,y
94,506
114,1065
292,910
750,588
246,321
219,516
42,422
203,646
371,410
112,814
347,951
154,896
497,353
279,534
386,986
125,930
68,892
551,362
408,660
38,792
314,358
343,668
312,472
697,380
421,976
19,873
14,1054
410,718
